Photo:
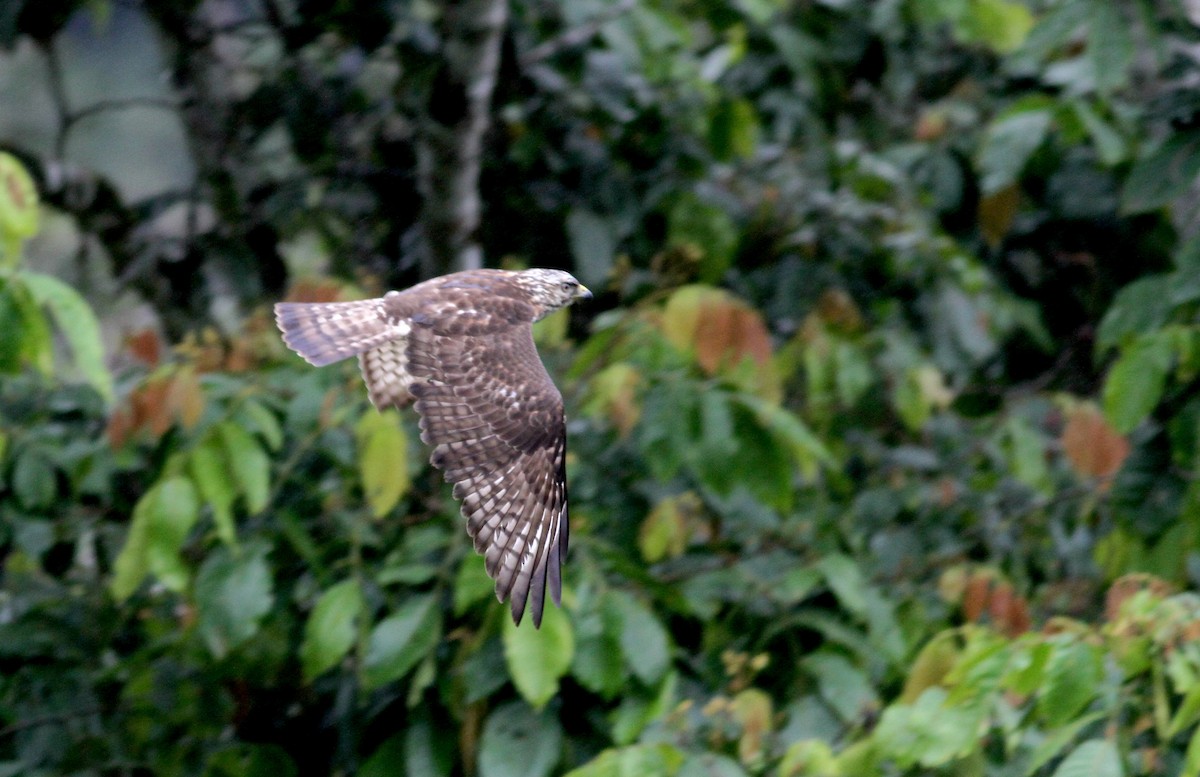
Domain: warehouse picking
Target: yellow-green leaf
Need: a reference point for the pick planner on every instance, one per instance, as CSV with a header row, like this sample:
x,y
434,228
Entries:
x,y
382,460
161,521
211,472
1136,382
250,465
78,324
538,658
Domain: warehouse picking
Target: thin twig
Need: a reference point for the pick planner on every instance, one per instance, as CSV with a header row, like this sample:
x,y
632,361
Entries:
x,y
45,720
160,103
575,36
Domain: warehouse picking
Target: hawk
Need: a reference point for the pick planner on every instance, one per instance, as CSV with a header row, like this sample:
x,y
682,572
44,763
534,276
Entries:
x,y
460,348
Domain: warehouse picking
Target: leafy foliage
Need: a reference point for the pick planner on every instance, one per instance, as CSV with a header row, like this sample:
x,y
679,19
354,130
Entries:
x,y
883,426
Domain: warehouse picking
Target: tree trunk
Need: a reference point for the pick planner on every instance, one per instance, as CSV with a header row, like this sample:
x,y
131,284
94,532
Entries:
x,y
450,149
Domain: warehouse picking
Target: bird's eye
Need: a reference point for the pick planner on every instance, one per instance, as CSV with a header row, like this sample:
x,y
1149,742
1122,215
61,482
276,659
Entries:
x,y
568,285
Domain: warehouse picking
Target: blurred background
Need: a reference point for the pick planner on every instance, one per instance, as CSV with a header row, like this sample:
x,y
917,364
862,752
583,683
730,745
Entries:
x,y
883,422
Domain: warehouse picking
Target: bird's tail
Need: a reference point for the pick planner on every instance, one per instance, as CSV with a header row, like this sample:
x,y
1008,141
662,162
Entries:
x,y
326,332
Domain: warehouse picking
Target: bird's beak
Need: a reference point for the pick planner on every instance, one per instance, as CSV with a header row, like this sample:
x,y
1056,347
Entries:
x,y
583,292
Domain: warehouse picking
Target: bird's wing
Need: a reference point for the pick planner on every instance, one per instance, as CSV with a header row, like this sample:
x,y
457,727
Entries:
x,y
495,419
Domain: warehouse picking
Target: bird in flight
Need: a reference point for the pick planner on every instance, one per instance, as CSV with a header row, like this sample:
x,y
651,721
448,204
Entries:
x,y
460,348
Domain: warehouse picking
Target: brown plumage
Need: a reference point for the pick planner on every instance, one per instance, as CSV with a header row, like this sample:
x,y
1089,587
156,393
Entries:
x,y
461,348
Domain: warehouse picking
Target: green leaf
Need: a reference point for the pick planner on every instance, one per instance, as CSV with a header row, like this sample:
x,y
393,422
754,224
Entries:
x,y
1026,453
1163,175
843,686
806,448
1094,758
387,760
1072,679
245,759
11,345
214,480
18,200
1109,145
1136,381
382,459
664,531
704,229
1008,144
472,584
33,480
161,521
1188,712
331,629
1054,742
643,639
598,665
846,580
733,129
519,742
538,658
927,732
1110,44
648,760
233,593
75,319
1191,761
593,241
1136,309
399,641
1001,24
809,758
428,751
175,510
710,765
27,337
635,712
249,463
264,422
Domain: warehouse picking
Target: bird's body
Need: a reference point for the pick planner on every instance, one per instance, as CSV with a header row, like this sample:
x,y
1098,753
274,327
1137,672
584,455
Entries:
x,y
460,347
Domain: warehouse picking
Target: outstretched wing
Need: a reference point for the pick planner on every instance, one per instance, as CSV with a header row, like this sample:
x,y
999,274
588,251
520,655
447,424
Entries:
x,y
495,419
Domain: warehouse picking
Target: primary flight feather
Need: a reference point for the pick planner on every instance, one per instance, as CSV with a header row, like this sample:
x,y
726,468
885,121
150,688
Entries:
x,y
460,348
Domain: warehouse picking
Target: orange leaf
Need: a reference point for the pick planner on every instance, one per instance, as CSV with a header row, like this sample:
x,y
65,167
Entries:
x,y
314,290
1123,588
975,597
150,408
185,398
145,346
119,429
1092,447
1008,611
722,332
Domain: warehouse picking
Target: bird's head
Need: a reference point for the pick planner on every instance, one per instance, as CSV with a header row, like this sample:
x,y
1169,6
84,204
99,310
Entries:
x,y
551,290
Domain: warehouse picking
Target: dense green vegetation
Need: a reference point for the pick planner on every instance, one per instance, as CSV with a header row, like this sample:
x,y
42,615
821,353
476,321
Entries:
x,y
883,425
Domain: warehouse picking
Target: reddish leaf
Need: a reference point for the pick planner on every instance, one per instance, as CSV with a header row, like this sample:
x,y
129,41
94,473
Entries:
x,y
314,290
725,335
975,597
1008,611
1092,446
150,409
145,346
